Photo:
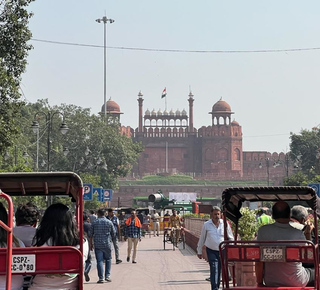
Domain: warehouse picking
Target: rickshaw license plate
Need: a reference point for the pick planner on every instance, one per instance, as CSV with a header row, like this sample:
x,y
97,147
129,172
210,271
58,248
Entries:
x,y
23,263
272,254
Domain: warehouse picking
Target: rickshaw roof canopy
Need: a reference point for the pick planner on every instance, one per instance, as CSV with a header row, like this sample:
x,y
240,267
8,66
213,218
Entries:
x,y
232,198
41,183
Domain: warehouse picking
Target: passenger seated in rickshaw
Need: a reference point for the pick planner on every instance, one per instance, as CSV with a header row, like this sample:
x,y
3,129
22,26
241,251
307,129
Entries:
x,y
300,220
58,228
26,222
175,224
276,274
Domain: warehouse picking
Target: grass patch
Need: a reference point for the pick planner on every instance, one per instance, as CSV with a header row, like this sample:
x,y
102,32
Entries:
x,y
187,180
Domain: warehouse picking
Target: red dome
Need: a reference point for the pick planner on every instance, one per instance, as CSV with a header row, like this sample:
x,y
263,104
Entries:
x,y
112,107
221,106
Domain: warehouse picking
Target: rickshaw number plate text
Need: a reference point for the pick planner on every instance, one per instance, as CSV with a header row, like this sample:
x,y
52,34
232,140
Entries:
x,y
23,263
272,254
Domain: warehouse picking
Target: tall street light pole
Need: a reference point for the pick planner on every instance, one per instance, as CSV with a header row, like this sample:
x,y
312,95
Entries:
x,y
35,127
268,169
104,20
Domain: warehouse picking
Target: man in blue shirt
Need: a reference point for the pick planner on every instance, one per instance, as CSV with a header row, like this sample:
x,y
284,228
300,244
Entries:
x,y
101,233
116,225
133,234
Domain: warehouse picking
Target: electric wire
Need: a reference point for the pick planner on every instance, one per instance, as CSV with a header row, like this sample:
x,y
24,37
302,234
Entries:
x,y
178,50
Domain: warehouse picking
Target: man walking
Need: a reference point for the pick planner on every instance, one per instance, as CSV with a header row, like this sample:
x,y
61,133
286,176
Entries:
x,y
86,229
111,216
156,223
92,216
212,234
133,234
101,233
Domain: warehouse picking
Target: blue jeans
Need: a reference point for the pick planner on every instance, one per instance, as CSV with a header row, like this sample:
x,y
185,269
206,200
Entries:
x,y
215,268
87,266
103,255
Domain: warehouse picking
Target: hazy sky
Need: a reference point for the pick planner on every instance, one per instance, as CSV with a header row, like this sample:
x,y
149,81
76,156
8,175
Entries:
x,y
271,93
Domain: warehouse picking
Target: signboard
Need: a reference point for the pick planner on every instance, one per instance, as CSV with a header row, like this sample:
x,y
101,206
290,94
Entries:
x,y
98,192
316,187
23,263
272,254
87,191
183,196
107,194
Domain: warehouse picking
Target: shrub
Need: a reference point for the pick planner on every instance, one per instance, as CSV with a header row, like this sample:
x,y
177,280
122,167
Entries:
x,y
248,226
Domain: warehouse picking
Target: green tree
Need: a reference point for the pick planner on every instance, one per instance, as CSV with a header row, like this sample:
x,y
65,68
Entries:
x,y
14,35
304,151
297,179
92,146
95,181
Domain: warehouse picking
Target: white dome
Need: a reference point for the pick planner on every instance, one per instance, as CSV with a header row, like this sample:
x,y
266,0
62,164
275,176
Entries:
x,y
154,112
171,113
159,112
147,112
165,112
178,112
184,112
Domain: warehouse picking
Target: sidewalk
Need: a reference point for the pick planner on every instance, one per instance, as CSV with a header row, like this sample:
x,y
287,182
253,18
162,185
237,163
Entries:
x,y
156,268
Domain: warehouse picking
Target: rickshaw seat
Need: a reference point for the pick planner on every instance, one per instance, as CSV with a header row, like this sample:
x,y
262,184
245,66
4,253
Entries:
x,y
251,251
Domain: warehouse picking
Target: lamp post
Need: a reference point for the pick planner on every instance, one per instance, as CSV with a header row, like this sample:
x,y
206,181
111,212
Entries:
x,y
268,169
35,127
104,20
25,156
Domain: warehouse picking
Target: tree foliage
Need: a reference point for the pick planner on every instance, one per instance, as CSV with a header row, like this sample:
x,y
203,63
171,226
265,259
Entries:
x,y
14,35
304,151
95,150
297,179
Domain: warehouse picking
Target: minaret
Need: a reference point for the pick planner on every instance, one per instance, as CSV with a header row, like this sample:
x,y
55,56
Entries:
x,y
191,99
140,100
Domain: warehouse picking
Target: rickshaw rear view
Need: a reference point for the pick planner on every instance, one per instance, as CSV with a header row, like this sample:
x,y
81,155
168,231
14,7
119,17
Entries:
x,y
49,259
235,254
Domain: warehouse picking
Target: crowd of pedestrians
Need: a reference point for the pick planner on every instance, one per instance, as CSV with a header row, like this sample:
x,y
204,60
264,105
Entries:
x,y
103,230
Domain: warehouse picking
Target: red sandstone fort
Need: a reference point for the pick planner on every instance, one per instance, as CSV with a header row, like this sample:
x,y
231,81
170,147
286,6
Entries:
x,y
172,145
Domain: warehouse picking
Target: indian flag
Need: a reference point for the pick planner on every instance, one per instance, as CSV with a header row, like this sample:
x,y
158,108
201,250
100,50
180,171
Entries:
x,y
164,93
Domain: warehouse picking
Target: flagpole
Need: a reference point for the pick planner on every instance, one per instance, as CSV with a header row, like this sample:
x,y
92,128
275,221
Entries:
x,y
166,156
165,102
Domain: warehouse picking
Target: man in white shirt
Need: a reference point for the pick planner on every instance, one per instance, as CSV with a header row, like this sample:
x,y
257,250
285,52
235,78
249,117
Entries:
x,y
212,234
156,224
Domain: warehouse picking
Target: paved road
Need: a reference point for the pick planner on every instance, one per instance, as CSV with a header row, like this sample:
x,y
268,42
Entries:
x,y
156,268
